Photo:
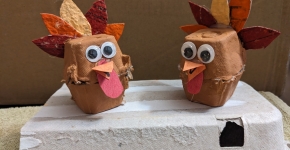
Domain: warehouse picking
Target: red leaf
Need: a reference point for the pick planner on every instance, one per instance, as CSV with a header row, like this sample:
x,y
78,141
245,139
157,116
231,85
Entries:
x,y
257,37
202,15
52,44
97,17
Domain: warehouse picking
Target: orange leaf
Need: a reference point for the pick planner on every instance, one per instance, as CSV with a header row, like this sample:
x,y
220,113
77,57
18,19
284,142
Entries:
x,y
240,10
115,29
192,28
57,26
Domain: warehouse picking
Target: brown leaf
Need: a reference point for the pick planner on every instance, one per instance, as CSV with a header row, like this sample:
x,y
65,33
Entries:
x,y
52,44
257,37
202,15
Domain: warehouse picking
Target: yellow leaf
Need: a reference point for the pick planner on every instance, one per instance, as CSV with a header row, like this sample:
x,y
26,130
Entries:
x,y
70,12
221,11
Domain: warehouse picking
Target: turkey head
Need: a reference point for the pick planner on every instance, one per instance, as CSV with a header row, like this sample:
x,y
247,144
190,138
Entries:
x,y
214,52
94,71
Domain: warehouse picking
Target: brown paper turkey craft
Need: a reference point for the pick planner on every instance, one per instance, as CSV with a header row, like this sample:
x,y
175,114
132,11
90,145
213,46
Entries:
x,y
214,54
95,70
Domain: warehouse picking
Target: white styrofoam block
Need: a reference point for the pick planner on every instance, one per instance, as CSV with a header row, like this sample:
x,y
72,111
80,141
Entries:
x,y
156,115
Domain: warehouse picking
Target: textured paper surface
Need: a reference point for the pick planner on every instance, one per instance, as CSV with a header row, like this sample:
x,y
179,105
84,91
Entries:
x,y
257,37
220,10
115,29
11,127
74,16
202,15
97,17
153,123
57,26
192,28
29,143
240,10
91,99
52,44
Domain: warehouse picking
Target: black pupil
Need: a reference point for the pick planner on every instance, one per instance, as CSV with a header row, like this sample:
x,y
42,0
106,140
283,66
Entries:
x,y
205,56
92,53
188,52
108,50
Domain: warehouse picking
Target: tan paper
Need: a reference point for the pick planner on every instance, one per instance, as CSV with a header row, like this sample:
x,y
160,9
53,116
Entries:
x,y
221,12
70,12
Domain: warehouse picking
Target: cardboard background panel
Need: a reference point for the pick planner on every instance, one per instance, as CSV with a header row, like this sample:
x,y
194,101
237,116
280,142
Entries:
x,y
266,69
151,37
283,55
28,75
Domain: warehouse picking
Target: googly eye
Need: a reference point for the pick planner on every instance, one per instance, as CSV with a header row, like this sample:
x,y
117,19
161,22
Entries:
x,y
108,49
188,50
205,53
93,53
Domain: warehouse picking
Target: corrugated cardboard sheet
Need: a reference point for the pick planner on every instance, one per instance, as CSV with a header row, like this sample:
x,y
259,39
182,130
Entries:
x,y
151,37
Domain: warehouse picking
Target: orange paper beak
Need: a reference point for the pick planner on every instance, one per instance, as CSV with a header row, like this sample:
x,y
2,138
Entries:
x,y
104,69
193,69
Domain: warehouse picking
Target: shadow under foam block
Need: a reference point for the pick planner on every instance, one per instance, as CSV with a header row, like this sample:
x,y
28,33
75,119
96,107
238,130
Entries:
x,y
157,115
